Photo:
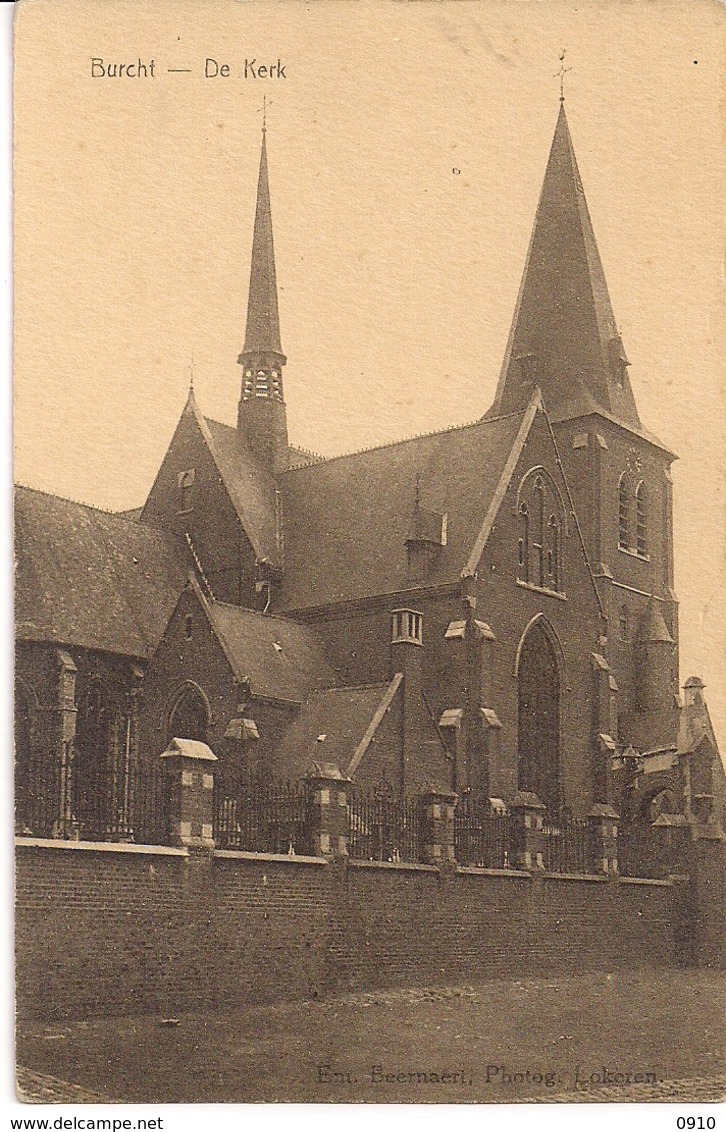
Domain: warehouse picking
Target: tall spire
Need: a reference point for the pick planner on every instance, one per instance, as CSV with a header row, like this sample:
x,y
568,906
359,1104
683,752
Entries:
x,y
564,337
261,415
263,320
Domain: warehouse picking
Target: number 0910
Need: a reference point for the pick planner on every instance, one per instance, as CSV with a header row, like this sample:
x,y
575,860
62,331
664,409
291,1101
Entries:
x,y
696,1122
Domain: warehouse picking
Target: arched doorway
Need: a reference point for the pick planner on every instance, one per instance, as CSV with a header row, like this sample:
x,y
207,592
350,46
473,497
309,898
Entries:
x,y
539,717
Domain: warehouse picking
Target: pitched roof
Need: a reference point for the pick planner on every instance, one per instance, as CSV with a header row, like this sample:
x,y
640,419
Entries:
x,y
563,315
249,485
329,728
347,519
282,659
89,578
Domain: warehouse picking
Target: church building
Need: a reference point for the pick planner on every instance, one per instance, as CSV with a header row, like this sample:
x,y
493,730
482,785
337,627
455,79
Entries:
x,y
487,609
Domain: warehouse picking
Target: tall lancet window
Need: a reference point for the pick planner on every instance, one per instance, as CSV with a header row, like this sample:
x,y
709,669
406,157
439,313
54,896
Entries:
x,y
541,524
624,513
523,573
641,519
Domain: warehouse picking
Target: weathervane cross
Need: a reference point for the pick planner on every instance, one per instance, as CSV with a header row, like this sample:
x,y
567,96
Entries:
x,y
561,74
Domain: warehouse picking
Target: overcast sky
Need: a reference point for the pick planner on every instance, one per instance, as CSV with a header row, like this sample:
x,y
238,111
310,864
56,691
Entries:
x,y
397,276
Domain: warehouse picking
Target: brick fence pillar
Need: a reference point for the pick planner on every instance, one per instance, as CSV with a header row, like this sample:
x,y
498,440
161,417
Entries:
x,y
436,814
527,834
603,824
189,765
327,811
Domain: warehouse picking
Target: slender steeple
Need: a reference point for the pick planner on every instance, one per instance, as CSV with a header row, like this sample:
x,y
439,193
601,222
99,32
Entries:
x,y
564,337
261,419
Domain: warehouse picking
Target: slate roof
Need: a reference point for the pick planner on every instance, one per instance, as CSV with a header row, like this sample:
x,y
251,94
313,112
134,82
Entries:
x,y
346,519
250,487
90,578
563,316
342,715
282,659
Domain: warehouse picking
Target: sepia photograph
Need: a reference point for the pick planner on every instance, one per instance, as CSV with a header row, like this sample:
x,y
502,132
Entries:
x,y
370,552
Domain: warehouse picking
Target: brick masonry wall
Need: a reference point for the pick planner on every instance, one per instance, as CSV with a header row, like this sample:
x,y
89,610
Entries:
x,y
115,931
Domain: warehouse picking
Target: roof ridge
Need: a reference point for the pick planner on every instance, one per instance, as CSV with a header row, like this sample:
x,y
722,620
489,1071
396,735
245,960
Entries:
x,y
120,515
410,439
259,613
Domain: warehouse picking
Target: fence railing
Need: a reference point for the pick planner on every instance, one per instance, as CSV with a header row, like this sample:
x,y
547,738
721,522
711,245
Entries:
x,y
482,838
384,829
68,795
262,819
71,796
567,846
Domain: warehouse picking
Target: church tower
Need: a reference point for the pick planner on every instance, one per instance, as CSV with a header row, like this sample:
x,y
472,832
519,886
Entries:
x,y
564,339
261,416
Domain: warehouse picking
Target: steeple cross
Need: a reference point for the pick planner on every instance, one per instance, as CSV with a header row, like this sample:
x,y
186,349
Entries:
x,y
263,111
561,74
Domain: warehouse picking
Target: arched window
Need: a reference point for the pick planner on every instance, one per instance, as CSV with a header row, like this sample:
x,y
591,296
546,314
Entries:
x,y
538,736
99,769
641,519
186,485
189,717
541,522
624,513
553,553
523,572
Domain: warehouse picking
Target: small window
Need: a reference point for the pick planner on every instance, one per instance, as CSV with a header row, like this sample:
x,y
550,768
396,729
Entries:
x,y
188,627
641,532
407,625
186,483
624,625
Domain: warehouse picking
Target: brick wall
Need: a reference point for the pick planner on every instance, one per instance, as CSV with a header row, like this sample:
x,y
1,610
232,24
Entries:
x,y
128,930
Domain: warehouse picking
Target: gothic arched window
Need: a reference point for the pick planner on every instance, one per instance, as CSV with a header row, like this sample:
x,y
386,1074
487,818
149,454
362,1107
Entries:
x,y
523,543
641,519
99,771
189,717
624,513
541,521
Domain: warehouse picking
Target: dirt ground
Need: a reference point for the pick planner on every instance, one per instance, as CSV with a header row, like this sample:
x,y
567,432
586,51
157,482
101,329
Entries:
x,y
625,1036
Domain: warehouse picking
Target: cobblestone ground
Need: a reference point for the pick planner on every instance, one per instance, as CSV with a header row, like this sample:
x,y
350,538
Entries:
x,y
40,1088
529,1040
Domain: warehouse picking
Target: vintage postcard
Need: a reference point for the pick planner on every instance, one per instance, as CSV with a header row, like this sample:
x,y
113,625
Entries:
x,y
371,552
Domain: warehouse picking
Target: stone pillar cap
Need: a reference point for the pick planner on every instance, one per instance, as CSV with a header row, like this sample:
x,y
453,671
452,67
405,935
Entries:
x,y
601,810
528,799
189,749
327,770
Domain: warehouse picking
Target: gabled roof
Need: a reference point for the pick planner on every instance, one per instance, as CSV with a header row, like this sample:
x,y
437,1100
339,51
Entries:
x,y
564,329
329,728
282,659
347,519
89,578
249,485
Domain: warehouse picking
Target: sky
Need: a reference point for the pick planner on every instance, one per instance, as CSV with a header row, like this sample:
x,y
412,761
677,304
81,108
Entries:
x,y
407,145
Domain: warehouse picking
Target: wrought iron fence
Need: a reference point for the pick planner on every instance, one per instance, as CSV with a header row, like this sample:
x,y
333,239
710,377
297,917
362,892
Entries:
x,y
647,852
567,846
261,819
482,837
384,828
71,796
